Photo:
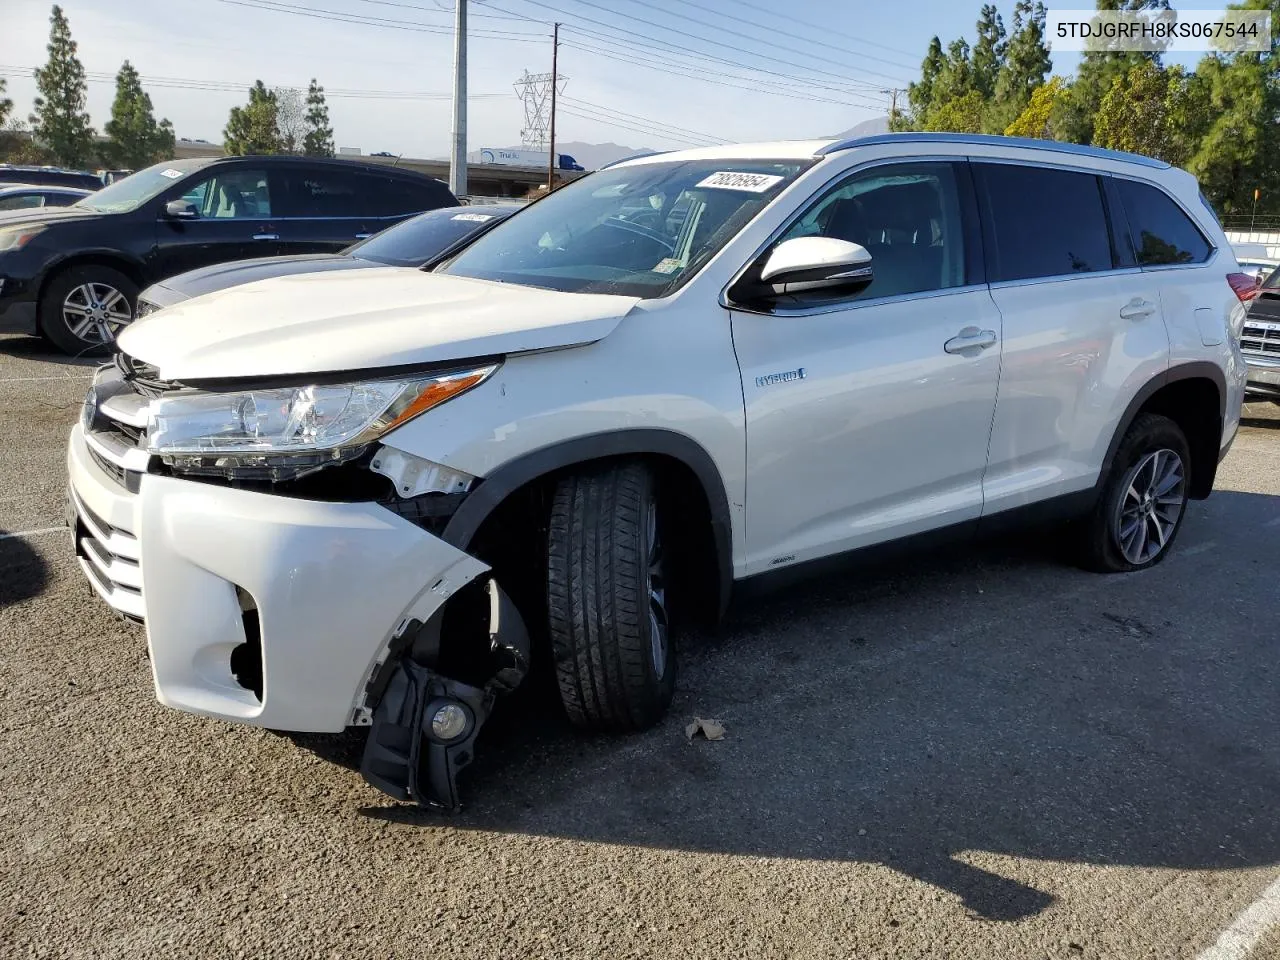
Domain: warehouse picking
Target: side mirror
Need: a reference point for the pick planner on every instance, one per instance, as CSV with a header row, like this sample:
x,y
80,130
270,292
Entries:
x,y
817,263
181,210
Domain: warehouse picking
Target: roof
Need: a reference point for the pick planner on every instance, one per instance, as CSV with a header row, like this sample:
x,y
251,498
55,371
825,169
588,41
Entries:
x,y
274,158
803,149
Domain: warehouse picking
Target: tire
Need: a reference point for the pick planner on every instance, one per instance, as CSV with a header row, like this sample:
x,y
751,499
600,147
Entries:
x,y
606,599
101,300
1143,501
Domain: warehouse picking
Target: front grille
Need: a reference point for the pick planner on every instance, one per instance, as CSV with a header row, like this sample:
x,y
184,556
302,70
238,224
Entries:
x,y
1261,340
115,472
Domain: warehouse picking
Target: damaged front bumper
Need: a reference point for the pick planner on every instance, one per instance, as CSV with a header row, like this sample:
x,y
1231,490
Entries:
x,y
271,610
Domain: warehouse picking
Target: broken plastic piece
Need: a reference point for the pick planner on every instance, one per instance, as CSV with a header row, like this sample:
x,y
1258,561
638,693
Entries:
x,y
711,729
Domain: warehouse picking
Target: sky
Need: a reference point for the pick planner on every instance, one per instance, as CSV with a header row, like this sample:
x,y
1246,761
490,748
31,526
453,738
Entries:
x,y
645,73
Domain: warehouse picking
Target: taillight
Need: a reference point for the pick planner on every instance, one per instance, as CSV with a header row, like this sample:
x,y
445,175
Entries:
x,y
1243,286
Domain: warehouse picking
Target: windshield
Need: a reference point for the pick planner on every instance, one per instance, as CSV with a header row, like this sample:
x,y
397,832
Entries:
x,y
136,189
635,230
1272,281
424,237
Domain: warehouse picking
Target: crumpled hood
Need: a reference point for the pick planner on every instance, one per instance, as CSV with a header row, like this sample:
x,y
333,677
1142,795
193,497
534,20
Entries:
x,y
361,320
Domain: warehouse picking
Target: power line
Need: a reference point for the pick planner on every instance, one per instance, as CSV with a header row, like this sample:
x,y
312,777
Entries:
x,y
653,127
635,128
717,43
822,28
574,101
684,72
337,16
628,41
229,86
746,36
443,10
786,85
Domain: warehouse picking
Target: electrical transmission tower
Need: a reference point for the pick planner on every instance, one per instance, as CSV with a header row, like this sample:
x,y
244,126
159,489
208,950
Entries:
x,y
534,91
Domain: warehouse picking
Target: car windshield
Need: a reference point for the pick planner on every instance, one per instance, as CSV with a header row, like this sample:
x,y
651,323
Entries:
x,y
424,237
1273,280
137,188
635,230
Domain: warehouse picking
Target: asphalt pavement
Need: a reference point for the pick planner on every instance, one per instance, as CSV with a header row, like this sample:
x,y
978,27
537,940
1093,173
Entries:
x,y
970,754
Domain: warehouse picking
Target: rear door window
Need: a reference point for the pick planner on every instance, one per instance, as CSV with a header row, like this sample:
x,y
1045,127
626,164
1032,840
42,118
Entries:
x,y
327,192
1162,231
1042,222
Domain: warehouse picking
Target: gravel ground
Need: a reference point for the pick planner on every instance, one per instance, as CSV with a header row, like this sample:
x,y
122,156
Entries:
x,y
984,753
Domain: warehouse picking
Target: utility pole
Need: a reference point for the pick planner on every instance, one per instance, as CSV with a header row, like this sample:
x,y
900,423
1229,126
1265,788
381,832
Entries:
x,y
552,161
458,159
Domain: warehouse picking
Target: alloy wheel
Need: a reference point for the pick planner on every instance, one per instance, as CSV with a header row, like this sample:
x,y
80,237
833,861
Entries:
x,y
1149,510
657,589
96,312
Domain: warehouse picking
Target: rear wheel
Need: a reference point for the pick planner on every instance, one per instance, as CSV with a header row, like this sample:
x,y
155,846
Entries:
x,y
1143,501
84,308
607,599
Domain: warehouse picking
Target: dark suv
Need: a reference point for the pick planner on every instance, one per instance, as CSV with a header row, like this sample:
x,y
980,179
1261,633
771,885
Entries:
x,y
73,274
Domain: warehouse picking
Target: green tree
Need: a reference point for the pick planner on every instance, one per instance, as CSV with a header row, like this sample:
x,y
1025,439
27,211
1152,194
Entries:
x,y
959,114
1240,148
920,94
134,139
252,129
6,105
1035,119
1099,67
1026,64
988,51
1158,112
318,141
60,122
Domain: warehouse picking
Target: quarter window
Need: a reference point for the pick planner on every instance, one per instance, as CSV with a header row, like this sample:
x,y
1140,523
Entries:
x,y
1162,232
908,218
1042,222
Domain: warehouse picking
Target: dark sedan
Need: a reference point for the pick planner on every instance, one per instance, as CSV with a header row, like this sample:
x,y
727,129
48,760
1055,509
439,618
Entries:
x,y
73,273
417,242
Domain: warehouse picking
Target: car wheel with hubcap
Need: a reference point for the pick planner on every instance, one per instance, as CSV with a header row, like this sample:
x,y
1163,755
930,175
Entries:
x,y
607,596
1144,498
83,309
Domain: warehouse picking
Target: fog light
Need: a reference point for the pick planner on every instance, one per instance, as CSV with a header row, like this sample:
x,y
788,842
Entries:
x,y
449,722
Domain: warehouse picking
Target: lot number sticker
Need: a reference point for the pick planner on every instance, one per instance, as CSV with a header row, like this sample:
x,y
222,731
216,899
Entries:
x,y
171,173
750,182
472,217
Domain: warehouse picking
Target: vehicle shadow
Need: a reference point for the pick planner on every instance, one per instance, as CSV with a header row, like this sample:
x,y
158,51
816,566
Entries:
x,y
938,713
37,348
23,572
1265,414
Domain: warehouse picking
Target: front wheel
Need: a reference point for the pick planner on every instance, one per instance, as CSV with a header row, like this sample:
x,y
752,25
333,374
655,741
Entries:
x,y
607,599
1143,500
84,308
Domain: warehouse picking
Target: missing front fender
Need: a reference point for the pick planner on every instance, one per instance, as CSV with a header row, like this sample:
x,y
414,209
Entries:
x,y
425,724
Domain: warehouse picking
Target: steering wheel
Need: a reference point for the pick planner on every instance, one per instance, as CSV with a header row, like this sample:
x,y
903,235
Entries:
x,y
640,230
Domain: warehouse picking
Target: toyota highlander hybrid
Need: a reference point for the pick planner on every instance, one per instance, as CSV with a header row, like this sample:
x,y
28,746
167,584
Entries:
x,y
366,498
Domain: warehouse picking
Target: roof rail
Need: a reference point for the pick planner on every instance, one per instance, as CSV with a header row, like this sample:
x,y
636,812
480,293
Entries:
x,y
989,140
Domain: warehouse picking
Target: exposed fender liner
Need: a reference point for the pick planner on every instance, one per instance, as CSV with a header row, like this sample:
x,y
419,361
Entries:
x,y
403,755
509,477
1193,370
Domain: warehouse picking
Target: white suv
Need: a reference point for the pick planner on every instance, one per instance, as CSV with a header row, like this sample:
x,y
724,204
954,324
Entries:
x,y
361,498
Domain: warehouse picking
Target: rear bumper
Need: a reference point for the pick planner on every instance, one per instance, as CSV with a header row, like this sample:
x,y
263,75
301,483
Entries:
x,y
324,586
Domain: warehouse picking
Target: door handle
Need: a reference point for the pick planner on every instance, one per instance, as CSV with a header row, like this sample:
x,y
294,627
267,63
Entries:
x,y
266,236
363,236
1137,308
970,338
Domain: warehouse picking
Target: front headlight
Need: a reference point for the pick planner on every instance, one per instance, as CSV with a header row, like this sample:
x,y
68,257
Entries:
x,y
306,426
16,238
